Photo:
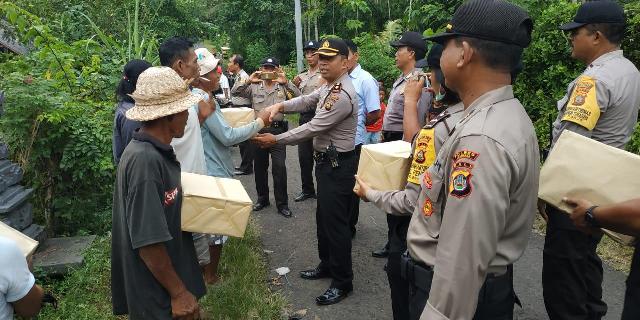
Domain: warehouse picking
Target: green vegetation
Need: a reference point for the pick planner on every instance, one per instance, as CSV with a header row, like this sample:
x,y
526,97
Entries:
x,y
242,292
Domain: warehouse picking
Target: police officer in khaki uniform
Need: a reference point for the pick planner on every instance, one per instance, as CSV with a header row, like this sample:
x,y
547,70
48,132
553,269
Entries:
x,y
333,129
266,87
446,111
308,81
602,103
410,48
477,201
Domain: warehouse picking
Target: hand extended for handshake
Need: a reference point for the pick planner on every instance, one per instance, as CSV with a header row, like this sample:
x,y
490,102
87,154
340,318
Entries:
x,y
267,140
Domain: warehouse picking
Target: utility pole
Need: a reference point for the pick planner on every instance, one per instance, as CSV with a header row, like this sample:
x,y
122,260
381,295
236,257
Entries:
x,y
298,18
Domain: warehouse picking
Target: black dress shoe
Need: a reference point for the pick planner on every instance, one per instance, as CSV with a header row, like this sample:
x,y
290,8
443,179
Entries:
x,y
314,274
332,296
242,173
285,212
302,196
381,253
259,206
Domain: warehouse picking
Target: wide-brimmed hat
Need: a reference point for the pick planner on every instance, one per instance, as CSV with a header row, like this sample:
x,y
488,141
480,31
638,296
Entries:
x,y
206,61
160,92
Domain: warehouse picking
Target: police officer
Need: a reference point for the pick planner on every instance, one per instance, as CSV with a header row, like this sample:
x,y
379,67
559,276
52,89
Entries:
x,y
266,87
476,203
333,130
602,103
446,111
409,49
307,82
620,217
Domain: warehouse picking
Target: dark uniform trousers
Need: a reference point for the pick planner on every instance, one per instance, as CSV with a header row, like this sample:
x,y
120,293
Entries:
x,y
571,271
631,310
495,299
333,216
247,151
305,157
355,206
397,235
278,169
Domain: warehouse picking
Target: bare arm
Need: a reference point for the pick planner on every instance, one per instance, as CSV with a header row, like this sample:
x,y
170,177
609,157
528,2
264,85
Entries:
x,y
372,117
156,258
29,305
621,217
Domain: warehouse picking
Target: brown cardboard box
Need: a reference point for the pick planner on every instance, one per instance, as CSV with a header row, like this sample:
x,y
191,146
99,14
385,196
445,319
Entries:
x,y
237,117
384,166
26,244
214,205
584,168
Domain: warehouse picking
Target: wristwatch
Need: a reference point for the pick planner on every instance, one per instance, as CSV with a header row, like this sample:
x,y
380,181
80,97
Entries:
x,y
590,219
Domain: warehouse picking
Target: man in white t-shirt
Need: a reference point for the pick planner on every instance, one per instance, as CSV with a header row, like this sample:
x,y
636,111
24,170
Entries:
x,y
18,291
224,85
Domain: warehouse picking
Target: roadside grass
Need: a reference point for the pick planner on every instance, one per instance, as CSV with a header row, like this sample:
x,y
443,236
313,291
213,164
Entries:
x,y
242,293
616,255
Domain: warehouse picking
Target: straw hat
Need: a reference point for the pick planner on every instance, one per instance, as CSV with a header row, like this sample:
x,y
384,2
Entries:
x,y
206,61
160,92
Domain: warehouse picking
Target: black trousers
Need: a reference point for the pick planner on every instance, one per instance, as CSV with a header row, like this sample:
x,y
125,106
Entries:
x,y
631,310
278,170
247,154
355,206
495,299
389,136
333,216
305,158
571,271
398,227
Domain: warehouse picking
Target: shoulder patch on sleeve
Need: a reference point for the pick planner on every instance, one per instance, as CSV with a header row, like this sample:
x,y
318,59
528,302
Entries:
x,y
582,107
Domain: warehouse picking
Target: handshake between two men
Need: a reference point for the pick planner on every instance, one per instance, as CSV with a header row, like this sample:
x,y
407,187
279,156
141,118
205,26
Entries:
x,y
267,140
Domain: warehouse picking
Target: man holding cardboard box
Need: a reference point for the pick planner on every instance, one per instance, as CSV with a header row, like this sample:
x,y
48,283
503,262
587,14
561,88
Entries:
x,y
602,103
333,129
476,202
425,147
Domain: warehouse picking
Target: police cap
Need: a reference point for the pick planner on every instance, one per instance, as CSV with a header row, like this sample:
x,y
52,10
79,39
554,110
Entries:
x,y
493,20
332,48
596,12
311,45
271,62
412,40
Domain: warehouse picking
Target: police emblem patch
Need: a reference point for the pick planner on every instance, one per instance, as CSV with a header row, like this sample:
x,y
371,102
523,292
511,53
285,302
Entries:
x,y
426,179
460,184
427,208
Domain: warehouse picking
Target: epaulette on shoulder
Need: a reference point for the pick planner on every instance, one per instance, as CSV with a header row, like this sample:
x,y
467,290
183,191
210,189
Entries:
x,y
443,115
336,88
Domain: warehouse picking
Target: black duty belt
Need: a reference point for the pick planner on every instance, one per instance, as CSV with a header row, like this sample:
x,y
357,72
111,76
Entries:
x,y
323,157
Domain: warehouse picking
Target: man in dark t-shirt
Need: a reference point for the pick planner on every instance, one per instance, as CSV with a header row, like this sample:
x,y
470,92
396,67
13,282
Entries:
x,y
154,269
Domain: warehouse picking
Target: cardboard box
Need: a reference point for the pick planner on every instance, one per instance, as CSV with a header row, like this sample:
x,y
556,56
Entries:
x,y
26,244
212,205
584,168
384,166
237,117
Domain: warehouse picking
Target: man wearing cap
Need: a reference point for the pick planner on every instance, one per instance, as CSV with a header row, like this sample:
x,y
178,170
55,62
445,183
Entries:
x,y
602,103
266,87
154,269
368,110
477,201
333,132
409,49
307,82
447,111
247,150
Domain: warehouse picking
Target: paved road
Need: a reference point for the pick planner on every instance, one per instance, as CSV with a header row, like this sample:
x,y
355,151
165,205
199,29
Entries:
x,y
293,242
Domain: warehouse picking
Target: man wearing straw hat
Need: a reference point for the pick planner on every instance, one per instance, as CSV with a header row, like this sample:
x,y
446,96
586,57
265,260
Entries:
x,y
154,269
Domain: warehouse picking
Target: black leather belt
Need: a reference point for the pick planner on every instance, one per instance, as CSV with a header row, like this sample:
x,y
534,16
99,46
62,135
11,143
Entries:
x,y
322,156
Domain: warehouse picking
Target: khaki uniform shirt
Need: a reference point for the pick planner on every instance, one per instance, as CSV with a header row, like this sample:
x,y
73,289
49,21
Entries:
x,y
335,120
262,97
602,103
239,79
425,147
477,203
392,120
309,81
